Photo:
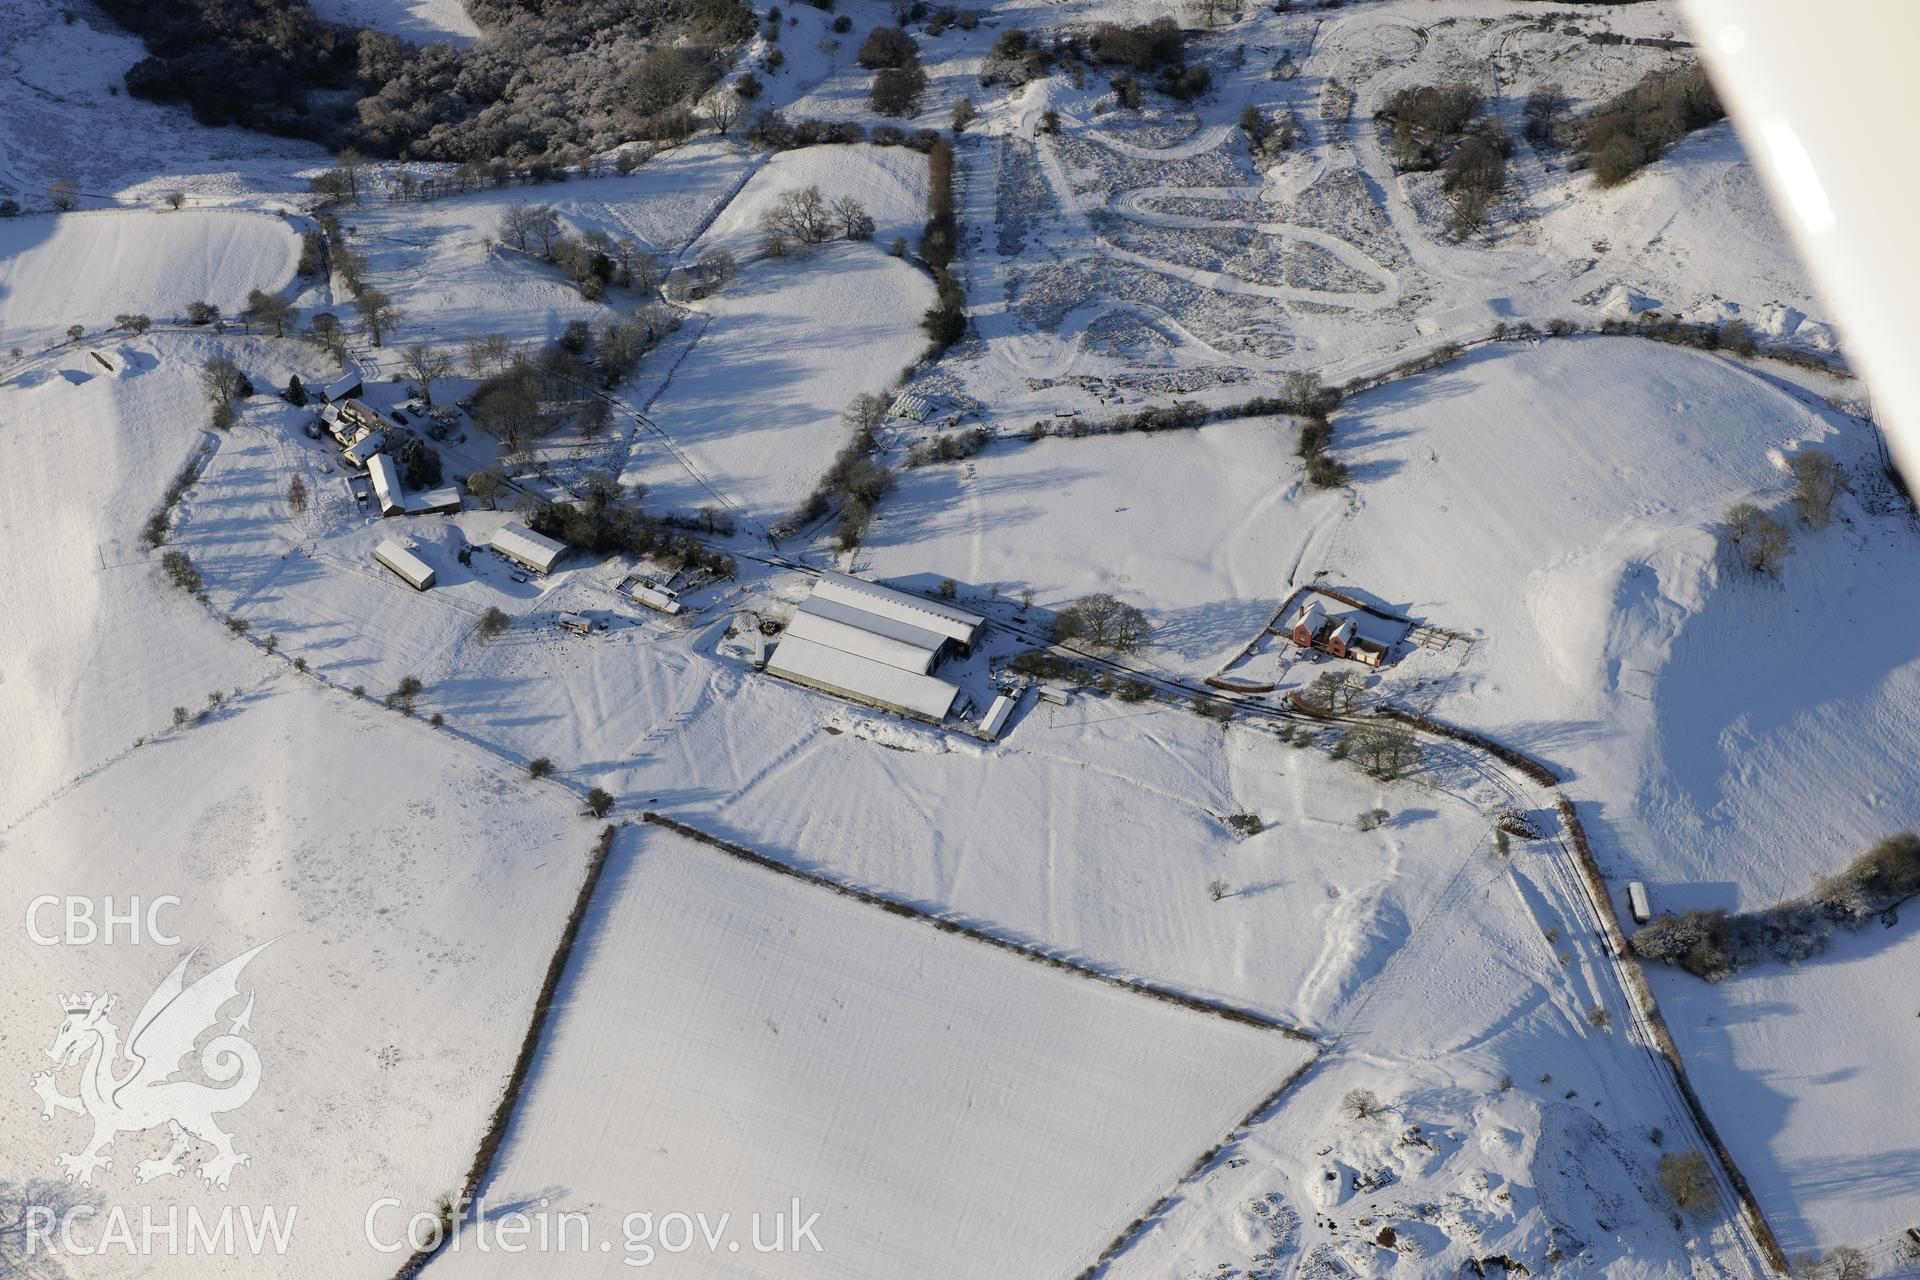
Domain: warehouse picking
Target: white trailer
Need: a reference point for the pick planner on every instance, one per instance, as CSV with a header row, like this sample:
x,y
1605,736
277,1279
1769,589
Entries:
x,y
1637,902
414,571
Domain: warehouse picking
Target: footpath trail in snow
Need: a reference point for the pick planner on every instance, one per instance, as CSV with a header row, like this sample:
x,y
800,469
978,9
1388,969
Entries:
x,y
1130,202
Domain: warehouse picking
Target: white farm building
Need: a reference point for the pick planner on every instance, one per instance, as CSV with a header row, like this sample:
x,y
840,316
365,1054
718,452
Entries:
x,y
876,645
417,573
526,548
386,484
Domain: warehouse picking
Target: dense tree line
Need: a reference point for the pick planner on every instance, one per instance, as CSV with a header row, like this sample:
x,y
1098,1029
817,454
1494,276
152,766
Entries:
x,y
1714,945
608,519
1628,132
250,62
552,75
945,323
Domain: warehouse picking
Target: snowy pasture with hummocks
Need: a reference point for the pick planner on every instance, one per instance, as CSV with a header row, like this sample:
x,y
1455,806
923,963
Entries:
x,y
85,269
1732,762
411,888
731,1036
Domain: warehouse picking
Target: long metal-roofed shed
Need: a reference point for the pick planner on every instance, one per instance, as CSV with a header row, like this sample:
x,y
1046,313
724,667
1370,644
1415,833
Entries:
x,y
862,679
526,548
888,640
875,645
957,625
417,573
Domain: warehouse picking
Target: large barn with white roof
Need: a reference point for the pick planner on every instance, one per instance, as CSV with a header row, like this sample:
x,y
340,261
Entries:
x,y
876,645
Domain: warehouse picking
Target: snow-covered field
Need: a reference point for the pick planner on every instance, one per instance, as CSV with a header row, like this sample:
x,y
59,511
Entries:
x,y
1202,528
890,182
87,268
756,407
1731,764
754,412
439,261
732,1040
411,889
421,21
67,115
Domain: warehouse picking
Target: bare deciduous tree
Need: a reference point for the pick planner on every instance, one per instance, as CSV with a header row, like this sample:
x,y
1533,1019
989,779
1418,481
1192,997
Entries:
x,y
1687,1180
325,332
352,170
639,268
798,217
425,365
1383,748
723,107
511,414
493,624
865,411
1762,542
217,378
1103,622
1361,1104
377,312
271,310
525,226
487,353
718,265
1817,481
855,222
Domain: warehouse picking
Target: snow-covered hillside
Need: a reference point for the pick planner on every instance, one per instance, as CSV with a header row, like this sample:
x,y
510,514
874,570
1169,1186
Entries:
x,y
411,889
85,269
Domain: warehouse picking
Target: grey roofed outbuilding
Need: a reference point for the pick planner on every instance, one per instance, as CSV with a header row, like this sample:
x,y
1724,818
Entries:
x,y
345,388
888,602
365,447
417,572
445,498
907,632
874,644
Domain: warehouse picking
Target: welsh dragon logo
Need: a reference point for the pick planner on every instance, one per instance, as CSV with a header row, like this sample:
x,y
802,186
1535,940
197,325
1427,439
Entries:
x,y
130,1089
